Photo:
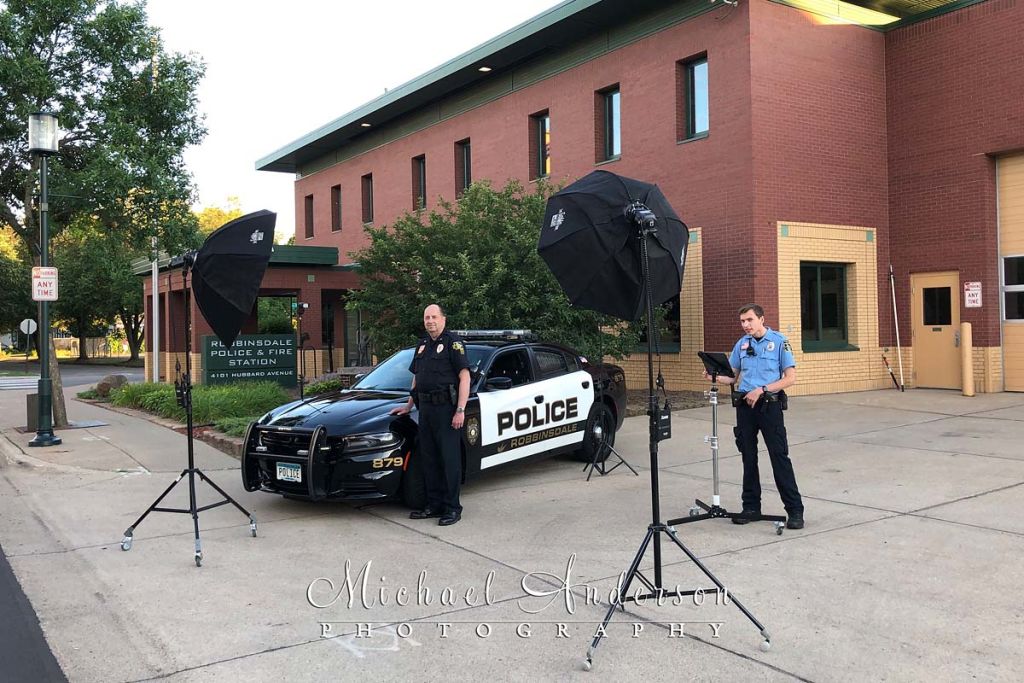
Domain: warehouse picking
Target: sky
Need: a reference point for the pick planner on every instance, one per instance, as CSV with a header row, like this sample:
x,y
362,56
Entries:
x,y
276,70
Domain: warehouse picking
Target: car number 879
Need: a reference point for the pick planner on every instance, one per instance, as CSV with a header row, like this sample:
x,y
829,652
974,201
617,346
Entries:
x,y
379,463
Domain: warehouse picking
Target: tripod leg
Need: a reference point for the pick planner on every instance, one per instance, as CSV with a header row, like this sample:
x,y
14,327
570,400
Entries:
x,y
195,515
627,580
252,520
766,644
623,461
126,542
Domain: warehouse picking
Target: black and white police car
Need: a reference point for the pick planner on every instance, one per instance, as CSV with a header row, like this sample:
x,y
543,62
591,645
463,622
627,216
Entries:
x,y
527,400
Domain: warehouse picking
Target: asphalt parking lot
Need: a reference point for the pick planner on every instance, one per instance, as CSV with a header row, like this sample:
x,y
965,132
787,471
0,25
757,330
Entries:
x,y
909,567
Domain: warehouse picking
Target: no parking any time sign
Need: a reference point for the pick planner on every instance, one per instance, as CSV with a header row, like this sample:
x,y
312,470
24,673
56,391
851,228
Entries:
x,y
44,284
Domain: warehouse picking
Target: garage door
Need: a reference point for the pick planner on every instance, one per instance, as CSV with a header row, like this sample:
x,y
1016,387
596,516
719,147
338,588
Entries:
x,y
1011,256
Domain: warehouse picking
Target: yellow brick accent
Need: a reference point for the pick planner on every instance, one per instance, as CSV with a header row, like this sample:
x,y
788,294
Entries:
x,y
988,369
832,372
167,360
682,370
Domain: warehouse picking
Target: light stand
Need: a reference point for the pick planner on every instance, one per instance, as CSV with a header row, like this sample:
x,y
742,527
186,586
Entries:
x,y
646,226
715,511
183,390
599,463
42,140
300,361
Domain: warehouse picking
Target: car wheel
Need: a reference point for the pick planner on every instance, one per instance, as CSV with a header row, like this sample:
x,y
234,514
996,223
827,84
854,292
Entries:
x,y
600,434
414,488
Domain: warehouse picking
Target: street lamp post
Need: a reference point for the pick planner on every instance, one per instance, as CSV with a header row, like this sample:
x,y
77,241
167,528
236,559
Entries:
x,y
42,140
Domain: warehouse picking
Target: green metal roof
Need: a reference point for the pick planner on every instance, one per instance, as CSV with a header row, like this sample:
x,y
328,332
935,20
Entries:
x,y
547,34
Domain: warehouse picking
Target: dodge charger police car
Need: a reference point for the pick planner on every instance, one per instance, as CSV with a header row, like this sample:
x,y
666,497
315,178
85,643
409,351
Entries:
x,y
527,400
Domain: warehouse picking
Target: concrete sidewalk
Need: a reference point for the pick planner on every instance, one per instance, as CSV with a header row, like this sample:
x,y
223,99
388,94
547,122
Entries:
x,y
909,568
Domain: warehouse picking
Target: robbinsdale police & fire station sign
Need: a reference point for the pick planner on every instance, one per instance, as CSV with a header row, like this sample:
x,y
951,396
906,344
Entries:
x,y
252,358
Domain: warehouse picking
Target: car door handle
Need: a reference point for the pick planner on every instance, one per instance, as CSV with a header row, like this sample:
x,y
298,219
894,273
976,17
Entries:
x,y
539,399
586,385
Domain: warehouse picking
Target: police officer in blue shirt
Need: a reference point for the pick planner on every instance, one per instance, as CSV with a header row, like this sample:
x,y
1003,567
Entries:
x,y
763,363
440,389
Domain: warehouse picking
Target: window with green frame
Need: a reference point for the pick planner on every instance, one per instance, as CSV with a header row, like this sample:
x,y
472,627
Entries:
x,y
823,307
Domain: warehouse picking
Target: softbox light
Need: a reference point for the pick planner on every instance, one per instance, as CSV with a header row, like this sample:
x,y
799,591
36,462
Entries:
x,y
228,270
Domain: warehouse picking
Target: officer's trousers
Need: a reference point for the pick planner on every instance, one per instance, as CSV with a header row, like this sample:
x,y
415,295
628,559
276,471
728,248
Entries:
x,y
442,457
765,417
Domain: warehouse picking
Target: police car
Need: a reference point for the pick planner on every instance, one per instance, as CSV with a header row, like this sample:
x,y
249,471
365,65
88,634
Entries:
x,y
527,400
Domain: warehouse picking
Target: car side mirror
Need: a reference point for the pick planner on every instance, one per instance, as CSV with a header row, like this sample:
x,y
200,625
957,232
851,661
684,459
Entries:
x,y
498,383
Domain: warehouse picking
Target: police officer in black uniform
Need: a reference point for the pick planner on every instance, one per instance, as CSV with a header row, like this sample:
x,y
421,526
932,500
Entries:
x,y
440,389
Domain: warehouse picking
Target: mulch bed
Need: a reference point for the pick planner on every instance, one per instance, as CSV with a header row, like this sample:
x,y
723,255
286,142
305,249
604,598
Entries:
x,y
636,400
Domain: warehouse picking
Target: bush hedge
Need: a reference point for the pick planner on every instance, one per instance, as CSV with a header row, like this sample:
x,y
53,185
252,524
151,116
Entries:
x,y
210,404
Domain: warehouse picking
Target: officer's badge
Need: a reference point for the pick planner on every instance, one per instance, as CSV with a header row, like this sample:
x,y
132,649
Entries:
x,y
786,346
472,429
771,346
440,348
459,347
422,347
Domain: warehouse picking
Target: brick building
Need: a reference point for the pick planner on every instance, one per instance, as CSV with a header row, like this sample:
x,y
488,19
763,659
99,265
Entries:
x,y
807,144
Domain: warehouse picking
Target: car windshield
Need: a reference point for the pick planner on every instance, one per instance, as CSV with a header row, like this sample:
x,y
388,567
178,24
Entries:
x,y
393,374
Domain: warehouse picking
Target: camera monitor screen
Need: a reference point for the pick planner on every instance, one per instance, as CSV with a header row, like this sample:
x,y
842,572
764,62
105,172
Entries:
x,y
716,363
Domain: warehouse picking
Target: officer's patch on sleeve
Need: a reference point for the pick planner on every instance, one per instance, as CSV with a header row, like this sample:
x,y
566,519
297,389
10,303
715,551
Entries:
x,y
786,346
459,347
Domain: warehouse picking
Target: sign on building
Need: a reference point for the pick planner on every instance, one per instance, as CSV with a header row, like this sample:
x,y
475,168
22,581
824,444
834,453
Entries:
x,y
972,295
44,284
252,358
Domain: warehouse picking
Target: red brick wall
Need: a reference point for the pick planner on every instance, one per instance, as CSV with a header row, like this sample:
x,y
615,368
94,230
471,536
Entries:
x,y
819,135
956,100
809,122
708,181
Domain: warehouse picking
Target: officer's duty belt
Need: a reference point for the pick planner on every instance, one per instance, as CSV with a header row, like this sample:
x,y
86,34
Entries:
x,y
435,397
739,397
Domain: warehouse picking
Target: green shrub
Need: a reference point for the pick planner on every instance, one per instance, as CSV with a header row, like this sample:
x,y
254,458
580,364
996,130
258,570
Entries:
x,y
234,426
324,387
209,403
89,394
278,324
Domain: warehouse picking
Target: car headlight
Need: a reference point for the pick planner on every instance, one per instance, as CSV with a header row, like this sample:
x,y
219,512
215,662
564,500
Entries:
x,y
370,442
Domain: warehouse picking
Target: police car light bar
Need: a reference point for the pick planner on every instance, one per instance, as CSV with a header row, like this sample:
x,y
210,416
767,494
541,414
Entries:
x,y
502,335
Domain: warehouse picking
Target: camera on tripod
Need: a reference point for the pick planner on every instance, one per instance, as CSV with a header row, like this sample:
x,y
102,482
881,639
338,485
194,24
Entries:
x,y
641,215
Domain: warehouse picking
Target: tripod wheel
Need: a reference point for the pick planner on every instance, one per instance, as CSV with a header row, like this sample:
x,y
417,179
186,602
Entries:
x,y
126,543
694,511
779,526
766,645
588,664
199,559
252,528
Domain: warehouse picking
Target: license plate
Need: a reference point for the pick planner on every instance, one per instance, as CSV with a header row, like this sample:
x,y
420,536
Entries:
x,y
289,472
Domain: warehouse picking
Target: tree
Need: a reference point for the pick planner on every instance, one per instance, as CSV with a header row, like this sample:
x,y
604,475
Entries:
x,y
212,217
97,285
478,259
127,108
15,283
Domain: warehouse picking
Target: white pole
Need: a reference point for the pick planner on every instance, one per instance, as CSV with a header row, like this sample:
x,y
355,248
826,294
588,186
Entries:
x,y
896,319
156,312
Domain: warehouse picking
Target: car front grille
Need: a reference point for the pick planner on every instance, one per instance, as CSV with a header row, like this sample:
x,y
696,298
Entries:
x,y
283,443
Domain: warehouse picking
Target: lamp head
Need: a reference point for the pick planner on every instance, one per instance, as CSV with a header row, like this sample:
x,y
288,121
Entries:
x,y
42,133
